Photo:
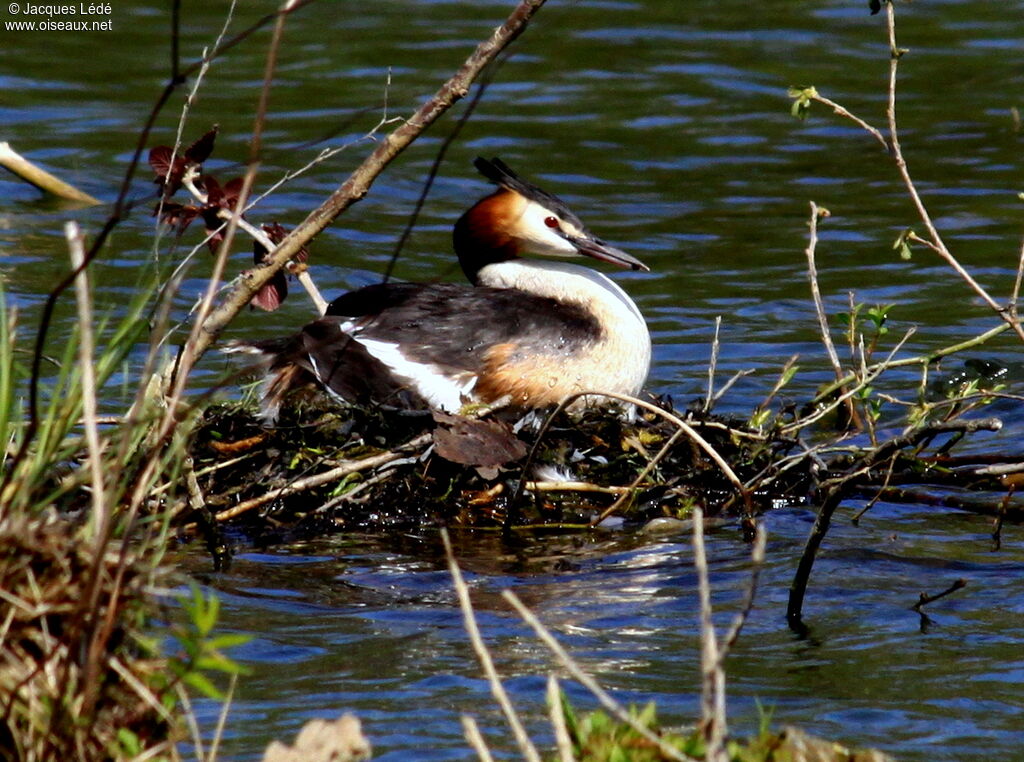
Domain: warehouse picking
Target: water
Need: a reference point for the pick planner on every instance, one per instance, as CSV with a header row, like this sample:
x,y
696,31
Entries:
x,y
667,127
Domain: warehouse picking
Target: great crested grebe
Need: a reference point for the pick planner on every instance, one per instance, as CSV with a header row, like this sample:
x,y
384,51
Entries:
x,y
527,332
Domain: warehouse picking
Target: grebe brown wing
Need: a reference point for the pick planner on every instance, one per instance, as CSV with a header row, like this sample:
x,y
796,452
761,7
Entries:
x,y
428,345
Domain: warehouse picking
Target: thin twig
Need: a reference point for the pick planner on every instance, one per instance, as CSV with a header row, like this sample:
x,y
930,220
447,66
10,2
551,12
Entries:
x,y
1012,306
729,384
475,739
712,366
924,599
873,131
651,465
923,360
835,490
757,562
435,166
674,419
904,172
812,274
870,374
318,480
86,345
712,694
563,743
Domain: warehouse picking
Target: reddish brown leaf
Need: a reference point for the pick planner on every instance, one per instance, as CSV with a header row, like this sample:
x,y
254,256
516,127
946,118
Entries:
x,y
160,160
270,296
177,215
472,442
232,190
277,233
214,193
167,174
200,151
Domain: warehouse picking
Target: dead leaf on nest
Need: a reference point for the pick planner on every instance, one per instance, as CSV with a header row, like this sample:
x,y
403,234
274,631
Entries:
x,y
472,442
238,446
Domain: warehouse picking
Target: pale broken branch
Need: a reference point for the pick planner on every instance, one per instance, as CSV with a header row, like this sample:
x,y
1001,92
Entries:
x,y
35,175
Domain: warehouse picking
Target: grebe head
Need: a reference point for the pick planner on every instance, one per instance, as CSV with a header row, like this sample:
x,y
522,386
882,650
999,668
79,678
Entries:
x,y
520,218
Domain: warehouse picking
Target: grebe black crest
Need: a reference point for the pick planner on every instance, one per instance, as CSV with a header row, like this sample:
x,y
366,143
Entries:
x,y
526,332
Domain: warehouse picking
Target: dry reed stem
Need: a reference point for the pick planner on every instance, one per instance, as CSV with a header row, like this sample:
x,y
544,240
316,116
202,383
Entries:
x,y
475,739
526,747
712,695
712,366
556,713
570,486
86,347
358,183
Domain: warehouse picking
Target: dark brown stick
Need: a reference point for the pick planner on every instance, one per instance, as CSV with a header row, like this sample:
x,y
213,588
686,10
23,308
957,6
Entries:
x,y
838,488
924,599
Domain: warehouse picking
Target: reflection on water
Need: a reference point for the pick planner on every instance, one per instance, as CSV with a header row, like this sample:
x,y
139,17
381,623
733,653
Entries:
x,y
667,126
372,625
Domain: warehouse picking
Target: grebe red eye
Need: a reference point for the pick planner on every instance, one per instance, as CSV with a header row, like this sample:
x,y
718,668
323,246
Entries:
x,y
551,222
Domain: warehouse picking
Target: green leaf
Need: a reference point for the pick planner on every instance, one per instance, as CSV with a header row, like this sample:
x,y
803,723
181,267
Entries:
x,y
202,683
618,754
902,243
220,663
802,97
760,417
648,716
228,640
787,375
130,742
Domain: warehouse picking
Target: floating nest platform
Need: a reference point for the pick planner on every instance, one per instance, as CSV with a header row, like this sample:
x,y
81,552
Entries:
x,y
323,469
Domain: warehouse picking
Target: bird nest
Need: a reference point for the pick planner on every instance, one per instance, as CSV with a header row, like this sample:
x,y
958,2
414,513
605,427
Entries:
x,y
324,469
